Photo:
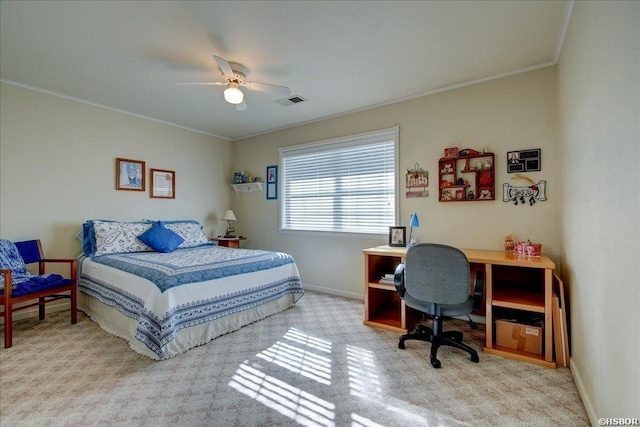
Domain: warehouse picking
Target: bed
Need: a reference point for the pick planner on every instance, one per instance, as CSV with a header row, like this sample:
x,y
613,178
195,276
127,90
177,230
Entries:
x,y
167,300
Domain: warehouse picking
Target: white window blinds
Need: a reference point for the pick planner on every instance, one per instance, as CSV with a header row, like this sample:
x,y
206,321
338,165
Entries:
x,y
343,185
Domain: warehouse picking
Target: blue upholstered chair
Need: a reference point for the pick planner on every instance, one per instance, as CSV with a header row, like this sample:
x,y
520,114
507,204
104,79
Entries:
x,y
435,279
18,285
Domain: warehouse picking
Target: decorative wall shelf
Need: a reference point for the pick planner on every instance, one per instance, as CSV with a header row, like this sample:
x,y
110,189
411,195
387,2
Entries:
x,y
249,187
467,176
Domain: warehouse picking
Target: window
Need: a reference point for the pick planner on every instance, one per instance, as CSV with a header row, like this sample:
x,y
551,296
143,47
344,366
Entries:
x,y
345,185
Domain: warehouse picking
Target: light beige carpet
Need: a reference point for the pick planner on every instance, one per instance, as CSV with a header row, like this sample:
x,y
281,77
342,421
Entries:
x,y
313,365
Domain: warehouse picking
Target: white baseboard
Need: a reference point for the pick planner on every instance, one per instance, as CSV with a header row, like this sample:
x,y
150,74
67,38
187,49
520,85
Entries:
x,y
588,406
332,291
51,307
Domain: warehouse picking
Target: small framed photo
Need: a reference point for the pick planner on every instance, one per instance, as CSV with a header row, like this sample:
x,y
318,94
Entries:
x,y
524,161
163,184
272,182
398,236
272,173
130,175
451,152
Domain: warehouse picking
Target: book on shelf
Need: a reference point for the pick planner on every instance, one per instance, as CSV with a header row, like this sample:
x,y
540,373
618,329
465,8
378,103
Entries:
x,y
387,279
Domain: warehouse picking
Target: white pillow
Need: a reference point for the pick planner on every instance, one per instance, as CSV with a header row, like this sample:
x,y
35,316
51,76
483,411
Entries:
x,y
191,233
119,237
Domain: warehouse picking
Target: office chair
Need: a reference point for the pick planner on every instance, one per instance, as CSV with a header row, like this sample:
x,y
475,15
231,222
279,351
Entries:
x,y
18,285
435,279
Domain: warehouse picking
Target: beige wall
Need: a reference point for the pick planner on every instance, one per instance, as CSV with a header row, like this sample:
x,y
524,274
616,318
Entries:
x,y
57,169
599,110
57,160
512,113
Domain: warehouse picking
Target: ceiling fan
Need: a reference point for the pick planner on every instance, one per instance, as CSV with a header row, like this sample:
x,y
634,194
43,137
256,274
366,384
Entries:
x,y
235,77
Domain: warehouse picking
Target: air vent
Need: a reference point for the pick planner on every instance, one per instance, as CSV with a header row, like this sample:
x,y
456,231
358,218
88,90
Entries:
x,y
295,99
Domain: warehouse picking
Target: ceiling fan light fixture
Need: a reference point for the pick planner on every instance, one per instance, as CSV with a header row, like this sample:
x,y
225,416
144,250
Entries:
x,y
233,95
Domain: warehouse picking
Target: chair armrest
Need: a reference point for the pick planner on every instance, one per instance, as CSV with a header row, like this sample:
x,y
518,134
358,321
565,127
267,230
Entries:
x,y
398,280
73,267
6,274
478,290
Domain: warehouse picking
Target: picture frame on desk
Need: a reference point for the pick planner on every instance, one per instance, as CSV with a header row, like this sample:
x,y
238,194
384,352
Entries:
x,y
398,236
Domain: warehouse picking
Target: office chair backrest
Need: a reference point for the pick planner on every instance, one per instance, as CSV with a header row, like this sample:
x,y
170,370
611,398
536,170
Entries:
x,y
437,273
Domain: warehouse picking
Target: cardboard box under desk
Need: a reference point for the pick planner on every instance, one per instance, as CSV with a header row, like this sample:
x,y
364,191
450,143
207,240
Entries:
x,y
519,336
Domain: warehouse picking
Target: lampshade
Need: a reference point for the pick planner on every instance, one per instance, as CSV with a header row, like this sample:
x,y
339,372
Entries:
x,y
229,216
415,222
233,95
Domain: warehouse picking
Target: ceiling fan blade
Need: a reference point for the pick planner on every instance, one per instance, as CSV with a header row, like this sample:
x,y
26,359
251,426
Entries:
x,y
224,66
265,87
200,83
242,106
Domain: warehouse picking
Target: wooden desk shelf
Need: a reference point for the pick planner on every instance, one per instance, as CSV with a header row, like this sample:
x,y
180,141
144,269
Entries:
x,y
516,299
511,282
383,307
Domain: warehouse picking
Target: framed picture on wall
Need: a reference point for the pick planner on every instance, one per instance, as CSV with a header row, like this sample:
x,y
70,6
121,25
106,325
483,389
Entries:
x,y
398,236
272,182
451,152
130,175
524,161
163,184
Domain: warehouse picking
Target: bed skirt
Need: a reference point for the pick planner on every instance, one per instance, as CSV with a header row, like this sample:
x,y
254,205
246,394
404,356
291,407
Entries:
x,y
114,322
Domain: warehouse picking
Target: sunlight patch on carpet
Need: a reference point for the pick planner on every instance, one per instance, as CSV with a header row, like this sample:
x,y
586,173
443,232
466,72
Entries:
x,y
290,401
298,336
360,421
300,361
363,376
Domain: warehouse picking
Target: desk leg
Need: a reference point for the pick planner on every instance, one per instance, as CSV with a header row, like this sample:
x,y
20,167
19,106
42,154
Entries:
x,y
488,289
367,300
548,323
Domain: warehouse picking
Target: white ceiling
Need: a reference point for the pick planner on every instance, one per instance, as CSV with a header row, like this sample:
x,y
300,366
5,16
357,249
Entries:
x,y
342,56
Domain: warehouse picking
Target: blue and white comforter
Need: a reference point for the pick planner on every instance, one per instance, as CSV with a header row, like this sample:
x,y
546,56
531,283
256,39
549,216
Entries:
x,y
166,293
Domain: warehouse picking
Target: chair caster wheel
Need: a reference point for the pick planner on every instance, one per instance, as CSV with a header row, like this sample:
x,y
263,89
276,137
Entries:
x,y
475,358
435,362
401,345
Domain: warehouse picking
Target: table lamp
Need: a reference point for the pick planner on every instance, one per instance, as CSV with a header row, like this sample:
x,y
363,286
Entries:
x,y
229,216
414,222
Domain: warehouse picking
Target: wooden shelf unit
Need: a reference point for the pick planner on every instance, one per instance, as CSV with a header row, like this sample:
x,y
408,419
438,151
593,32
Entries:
x,y
511,282
383,307
477,169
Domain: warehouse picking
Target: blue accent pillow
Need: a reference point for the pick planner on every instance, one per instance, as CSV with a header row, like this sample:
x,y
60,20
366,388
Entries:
x,y
161,239
88,248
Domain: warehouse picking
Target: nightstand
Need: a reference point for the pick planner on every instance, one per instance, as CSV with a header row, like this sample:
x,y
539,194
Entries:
x,y
229,242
